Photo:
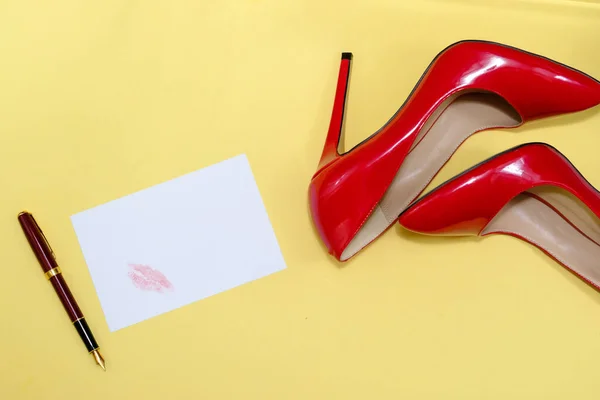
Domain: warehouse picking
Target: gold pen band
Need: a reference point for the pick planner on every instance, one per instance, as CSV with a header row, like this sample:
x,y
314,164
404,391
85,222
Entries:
x,y
53,272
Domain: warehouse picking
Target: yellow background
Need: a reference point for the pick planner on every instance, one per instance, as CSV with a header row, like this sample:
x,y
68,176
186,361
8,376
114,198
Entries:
x,y
100,99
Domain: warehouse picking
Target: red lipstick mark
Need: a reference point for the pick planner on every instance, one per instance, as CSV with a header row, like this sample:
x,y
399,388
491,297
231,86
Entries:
x,y
146,278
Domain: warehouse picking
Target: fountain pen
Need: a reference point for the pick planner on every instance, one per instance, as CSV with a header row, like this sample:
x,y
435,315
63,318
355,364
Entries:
x,y
42,250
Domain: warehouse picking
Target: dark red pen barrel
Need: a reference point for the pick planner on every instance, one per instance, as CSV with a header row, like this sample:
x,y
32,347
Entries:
x,y
66,298
75,314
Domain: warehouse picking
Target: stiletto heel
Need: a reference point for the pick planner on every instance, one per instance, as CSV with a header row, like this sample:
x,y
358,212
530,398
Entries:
x,y
330,149
469,87
531,192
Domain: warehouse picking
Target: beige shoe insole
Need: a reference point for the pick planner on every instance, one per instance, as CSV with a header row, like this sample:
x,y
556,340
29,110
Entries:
x,y
573,209
452,123
532,219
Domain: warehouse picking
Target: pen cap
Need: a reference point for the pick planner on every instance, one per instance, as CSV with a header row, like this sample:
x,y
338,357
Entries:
x,y
40,246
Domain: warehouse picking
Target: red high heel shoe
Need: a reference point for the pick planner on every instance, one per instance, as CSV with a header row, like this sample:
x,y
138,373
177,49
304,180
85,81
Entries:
x,y
531,192
470,86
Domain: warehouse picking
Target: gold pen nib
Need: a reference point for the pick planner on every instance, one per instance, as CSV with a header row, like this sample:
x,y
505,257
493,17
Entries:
x,y
99,359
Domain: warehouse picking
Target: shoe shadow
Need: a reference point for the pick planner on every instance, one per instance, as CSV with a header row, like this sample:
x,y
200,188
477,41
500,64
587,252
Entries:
x,y
590,291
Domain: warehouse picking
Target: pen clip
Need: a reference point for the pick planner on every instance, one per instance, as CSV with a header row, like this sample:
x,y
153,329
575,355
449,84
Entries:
x,y
43,237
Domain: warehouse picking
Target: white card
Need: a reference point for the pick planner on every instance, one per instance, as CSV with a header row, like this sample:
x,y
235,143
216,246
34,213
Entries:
x,y
178,242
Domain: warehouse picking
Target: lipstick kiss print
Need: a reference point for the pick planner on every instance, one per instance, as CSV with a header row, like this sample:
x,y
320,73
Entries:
x,y
147,278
